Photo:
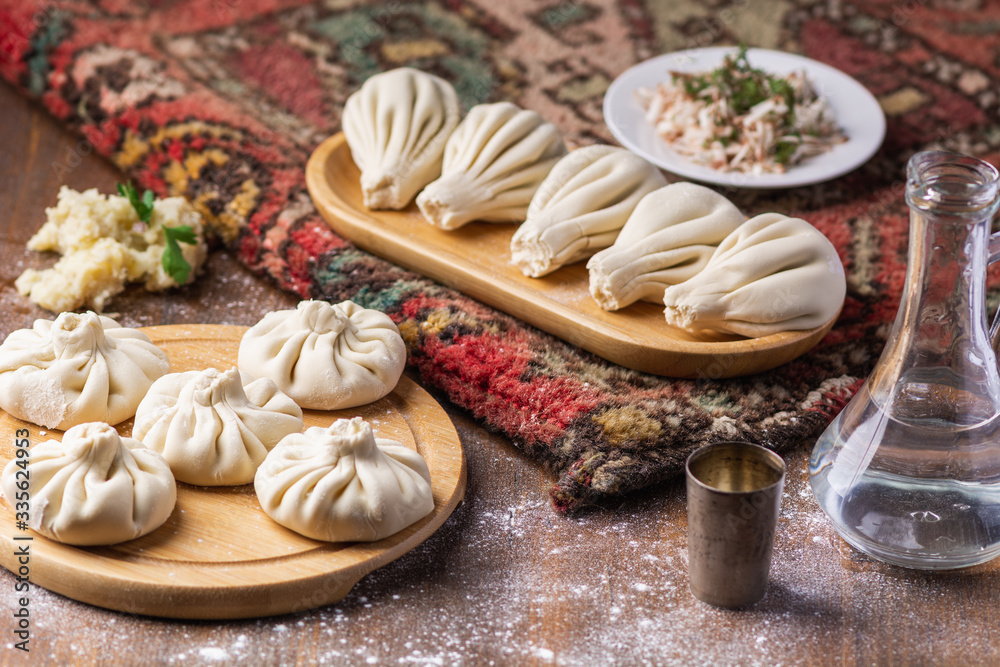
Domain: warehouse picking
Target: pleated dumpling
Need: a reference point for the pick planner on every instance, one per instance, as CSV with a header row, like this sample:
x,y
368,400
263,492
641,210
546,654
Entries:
x,y
325,356
397,124
215,428
581,207
94,487
493,163
76,369
773,274
668,238
341,484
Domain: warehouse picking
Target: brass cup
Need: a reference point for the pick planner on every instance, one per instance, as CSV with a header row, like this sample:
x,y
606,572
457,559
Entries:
x,y
734,494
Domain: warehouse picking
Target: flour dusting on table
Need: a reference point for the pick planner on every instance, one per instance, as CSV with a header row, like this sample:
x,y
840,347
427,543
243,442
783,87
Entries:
x,y
481,591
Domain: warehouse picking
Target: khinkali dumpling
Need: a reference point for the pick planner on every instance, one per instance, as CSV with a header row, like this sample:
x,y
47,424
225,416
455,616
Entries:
x,y
581,206
341,484
397,124
214,428
326,357
773,274
493,163
668,238
76,369
94,487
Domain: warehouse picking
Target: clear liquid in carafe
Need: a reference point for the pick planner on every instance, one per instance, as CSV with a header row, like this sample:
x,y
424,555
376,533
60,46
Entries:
x,y
894,478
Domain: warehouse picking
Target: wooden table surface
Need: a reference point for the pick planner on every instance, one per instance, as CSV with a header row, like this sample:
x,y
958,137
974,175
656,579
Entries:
x,y
506,580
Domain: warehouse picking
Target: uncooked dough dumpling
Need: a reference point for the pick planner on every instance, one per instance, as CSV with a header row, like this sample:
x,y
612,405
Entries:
x,y
667,239
94,487
581,206
215,428
324,356
493,163
76,369
341,484
397,124
773,274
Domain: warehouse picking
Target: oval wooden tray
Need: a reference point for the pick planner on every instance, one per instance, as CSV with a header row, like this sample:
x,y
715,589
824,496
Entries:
x,y
475,260
218,555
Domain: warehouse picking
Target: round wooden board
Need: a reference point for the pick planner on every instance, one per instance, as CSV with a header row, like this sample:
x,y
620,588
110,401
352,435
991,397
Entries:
x,y
218,555
475,260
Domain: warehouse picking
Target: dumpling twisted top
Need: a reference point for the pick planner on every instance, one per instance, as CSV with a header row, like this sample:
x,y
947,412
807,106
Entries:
x,y
397,124
76,369
773,274
326,357
342,484
214,428
668,238
95,487
581,206
493,163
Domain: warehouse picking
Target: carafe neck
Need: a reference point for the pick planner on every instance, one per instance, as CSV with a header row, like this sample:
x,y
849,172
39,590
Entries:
x,y
940,333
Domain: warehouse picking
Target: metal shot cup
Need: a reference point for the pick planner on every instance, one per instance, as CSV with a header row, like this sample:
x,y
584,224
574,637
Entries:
x,y
734,493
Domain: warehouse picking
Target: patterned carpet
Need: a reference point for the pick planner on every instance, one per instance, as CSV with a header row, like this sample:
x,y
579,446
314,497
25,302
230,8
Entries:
x,y
222,101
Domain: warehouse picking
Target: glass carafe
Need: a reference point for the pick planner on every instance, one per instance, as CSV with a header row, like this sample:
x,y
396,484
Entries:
x,y
909,472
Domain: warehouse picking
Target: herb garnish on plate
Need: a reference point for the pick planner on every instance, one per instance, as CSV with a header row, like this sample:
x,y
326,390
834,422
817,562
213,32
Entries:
x,y
741,118
172,260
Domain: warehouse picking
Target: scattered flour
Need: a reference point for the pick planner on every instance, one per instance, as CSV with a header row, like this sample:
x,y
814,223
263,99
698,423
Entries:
x,y
506,581
213,653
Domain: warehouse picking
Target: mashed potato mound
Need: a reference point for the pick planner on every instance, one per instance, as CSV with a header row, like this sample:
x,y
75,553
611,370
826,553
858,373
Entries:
x,y
104,245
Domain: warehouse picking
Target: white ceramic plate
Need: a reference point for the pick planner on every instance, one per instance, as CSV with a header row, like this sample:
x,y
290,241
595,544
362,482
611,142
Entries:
x,y
856,109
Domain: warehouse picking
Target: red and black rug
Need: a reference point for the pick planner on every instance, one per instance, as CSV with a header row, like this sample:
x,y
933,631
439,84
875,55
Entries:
x,y
222,101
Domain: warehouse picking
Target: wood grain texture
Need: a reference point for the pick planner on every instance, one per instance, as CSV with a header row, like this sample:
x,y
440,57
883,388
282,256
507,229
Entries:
x,y
475,259
505,581
219,555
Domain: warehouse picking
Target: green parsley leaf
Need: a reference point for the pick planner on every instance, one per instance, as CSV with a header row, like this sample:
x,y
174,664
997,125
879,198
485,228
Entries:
x,y
147,201
784,150
143,207
173,260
